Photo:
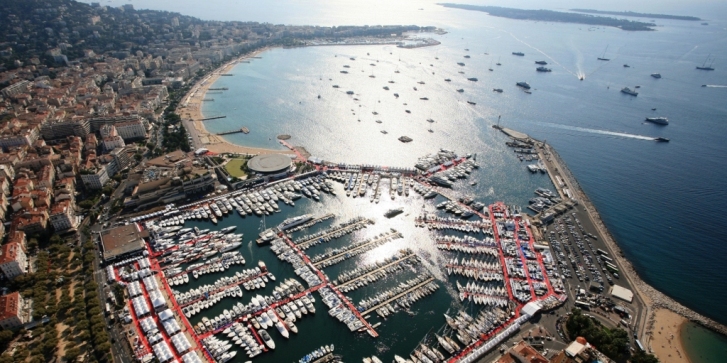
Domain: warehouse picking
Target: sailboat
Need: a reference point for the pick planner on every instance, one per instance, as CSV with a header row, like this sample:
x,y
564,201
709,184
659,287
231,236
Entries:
x,y
602,57
498,61
706,67
490,66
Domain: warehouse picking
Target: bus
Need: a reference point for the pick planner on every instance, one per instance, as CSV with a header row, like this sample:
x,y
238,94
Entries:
x,y
638,344
583,305
611,267
602,252
607,259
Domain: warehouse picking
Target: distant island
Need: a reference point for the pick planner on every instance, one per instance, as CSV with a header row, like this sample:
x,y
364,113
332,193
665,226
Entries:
x,y
638,15
555,16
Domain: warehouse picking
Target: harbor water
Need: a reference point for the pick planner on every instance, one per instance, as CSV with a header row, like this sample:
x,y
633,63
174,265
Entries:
x,y
661,201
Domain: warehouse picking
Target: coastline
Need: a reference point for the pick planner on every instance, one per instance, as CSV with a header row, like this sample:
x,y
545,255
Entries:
x,y
661,311
190,109
666,341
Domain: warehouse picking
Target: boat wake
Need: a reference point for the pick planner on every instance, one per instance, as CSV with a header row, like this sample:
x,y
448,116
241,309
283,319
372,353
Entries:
x,y
716,86
596,131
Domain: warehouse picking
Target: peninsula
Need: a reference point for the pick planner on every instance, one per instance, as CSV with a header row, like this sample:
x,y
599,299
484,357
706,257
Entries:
x,y
637,15
555,16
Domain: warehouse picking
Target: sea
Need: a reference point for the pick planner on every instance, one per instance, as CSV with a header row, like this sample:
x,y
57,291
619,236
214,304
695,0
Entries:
x,y
663,202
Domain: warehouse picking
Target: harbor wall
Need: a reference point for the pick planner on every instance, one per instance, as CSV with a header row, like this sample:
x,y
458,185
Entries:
x,y
656,297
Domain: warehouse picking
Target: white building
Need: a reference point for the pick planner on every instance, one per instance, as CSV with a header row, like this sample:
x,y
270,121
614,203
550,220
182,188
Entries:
x,y
13,261
95,178
133,129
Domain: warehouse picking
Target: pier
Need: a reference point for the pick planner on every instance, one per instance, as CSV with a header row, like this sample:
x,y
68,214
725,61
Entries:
x,y
243,130
218,89
212,118
310,223
349,282
398,295
335,232
353,249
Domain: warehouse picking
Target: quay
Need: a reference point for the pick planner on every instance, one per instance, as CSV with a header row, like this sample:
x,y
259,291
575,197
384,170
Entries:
x,y
350,249
212,118
398,295
305,244
376,270
243,130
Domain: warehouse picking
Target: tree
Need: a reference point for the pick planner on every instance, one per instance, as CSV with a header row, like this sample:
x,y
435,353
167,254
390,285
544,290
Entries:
x,y
86,204
6,336
643,357
72,354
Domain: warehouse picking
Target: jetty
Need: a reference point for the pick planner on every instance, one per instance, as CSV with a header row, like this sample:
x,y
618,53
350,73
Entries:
x,y
212,118
332,233
243,130
218,89
341,254
403,293
377,270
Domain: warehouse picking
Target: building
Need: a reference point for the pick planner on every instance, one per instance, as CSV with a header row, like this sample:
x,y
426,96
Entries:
x,y
579,351
95,178
13,313
113,142
622,293
123,242
131,130
522,353
122,158
198,181
32,222
13,261
270,163
56,129
63,217
16,89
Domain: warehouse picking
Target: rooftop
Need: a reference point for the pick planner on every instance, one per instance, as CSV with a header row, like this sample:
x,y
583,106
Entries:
x,y
120,240
269,163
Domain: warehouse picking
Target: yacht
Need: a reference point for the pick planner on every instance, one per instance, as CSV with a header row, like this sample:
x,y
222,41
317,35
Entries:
x,y
499,90
520,54
523,85
473,79
629,91
460,90
543,69
658,120
542,63
656,75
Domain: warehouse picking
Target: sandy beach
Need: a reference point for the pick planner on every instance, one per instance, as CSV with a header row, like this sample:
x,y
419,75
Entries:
x,y
190,109
666,341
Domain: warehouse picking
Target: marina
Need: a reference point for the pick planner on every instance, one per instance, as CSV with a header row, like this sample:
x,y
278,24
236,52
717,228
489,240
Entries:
x,y
491,248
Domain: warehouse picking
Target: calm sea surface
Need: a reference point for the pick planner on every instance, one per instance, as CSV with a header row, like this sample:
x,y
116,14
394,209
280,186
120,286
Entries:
x,y
664,202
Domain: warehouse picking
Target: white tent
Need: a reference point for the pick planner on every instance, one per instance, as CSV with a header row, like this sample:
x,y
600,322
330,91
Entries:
x,y
162,351
171,327
181,343
166,315
191,357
